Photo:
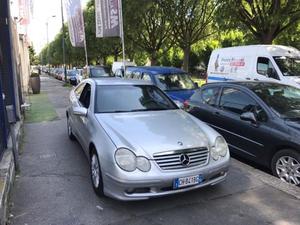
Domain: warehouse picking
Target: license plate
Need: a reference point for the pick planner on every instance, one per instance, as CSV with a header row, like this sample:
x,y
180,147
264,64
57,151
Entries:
x,y
187,181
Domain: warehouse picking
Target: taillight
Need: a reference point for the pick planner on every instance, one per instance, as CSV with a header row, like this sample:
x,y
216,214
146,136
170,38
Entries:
x,y
186,105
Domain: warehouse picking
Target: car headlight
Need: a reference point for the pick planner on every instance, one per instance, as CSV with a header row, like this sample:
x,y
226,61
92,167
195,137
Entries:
x,y
129,162
126,159
143,164
220,148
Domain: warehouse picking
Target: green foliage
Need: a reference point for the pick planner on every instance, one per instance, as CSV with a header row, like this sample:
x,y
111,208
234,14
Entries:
x,y
264,19
291,37
32,56
153,31
181,33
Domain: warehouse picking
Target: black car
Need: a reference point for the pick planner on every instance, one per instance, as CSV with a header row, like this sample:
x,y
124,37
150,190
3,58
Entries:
x,y
259,120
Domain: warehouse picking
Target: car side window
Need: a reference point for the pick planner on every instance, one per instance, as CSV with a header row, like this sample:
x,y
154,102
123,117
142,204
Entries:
x,y
136,75
85,96
210,95
128,74
146,77
79,90
236,101
266,68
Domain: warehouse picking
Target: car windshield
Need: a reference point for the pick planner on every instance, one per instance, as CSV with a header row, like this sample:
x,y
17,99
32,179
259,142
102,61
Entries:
x,y
131,98
288,66
100,72
283,100
174,82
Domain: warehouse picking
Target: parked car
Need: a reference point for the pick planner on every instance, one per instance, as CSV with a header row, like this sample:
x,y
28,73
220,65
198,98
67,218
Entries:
x,y
71,76
119,73
259,120
145,146
79,76
177,84
256,62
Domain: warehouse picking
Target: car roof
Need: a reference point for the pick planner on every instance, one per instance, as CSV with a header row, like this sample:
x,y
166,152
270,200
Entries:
x,y
157,69
247,84
98,66
118,81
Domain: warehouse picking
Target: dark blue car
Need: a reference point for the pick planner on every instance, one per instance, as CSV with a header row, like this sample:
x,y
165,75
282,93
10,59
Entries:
x,y
177,84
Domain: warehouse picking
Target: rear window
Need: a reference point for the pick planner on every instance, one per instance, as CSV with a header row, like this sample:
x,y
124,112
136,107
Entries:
x,y
174,82
100,72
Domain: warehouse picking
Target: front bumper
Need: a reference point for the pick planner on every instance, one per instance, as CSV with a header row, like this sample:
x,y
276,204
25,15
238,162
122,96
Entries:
x,y
161,185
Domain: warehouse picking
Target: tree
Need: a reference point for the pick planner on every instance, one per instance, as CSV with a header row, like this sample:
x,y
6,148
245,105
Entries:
x,y
291,37
191,21
99,49
265,19
32,56
152,32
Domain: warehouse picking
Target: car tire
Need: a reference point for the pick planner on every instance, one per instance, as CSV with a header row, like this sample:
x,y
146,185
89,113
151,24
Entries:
x,y
286,166
96,175
69,130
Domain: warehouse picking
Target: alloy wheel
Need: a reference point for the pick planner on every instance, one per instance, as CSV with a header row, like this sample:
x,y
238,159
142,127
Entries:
x,y
95,170
288,169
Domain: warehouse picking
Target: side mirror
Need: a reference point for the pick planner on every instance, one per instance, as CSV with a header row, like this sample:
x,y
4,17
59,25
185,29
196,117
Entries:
x,y
249,116
179,104
80,111
196,85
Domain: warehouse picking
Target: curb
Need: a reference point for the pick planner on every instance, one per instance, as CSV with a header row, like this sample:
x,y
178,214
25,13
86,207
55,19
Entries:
x,y
269,179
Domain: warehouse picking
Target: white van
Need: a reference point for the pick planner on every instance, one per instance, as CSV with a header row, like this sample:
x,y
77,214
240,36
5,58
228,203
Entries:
x,y
119,65
255,62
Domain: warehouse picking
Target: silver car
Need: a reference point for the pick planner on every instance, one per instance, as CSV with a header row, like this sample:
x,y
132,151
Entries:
x,y
139,143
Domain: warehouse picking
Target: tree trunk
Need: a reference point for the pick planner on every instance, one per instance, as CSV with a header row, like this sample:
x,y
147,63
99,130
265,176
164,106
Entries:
x,y
116,55
153,59
266,38
186,58
104,60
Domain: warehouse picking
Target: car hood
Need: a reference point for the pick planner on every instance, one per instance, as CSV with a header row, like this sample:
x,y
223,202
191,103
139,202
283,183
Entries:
x,y
154,131
181,95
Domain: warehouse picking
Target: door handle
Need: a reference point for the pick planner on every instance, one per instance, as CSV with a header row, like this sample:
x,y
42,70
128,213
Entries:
x,y
217,113
256,79
248,78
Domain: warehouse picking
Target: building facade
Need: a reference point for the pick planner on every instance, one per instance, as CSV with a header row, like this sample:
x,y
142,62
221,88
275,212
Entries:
x,y
14,72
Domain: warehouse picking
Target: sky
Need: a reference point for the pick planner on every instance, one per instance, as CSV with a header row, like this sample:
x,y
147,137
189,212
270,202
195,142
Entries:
x,y
43,11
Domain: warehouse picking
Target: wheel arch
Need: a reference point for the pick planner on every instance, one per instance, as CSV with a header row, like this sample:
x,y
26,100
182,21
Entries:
x,y
92,148
280,148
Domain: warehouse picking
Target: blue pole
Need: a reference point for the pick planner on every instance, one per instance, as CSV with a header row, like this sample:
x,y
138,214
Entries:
x,y
3,128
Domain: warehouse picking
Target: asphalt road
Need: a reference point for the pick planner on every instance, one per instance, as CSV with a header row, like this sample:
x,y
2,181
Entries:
x,y
54,187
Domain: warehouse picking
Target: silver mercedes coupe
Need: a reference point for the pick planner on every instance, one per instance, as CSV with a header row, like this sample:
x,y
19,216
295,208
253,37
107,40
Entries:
x,y
139,143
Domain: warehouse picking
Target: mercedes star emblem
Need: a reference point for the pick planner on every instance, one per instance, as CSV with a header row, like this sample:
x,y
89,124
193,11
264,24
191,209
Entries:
x,y
184,159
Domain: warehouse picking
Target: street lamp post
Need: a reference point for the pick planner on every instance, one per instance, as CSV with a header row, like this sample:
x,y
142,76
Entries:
x,y
47,27
63,40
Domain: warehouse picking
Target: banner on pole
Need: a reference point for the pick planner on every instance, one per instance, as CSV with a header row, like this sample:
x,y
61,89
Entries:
x,y
107,18
75,22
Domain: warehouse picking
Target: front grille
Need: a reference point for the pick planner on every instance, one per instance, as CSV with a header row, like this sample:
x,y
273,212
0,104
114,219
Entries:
x,y
171,160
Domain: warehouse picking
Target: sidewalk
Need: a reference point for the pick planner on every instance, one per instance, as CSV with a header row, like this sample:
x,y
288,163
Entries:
x,y
54,187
